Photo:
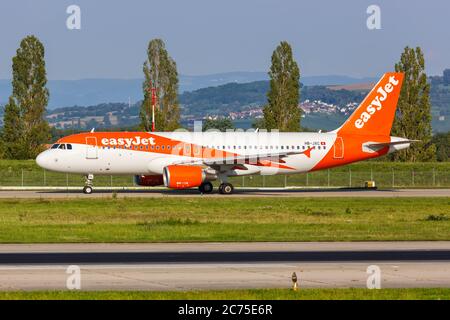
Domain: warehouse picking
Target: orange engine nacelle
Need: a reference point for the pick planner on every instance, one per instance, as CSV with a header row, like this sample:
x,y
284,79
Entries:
x,y
149,181
182,177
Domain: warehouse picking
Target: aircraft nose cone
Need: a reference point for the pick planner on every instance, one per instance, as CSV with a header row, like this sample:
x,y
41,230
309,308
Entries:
x,y
43,160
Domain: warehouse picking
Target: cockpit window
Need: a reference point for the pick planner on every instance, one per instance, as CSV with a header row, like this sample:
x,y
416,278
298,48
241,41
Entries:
x,y
63,146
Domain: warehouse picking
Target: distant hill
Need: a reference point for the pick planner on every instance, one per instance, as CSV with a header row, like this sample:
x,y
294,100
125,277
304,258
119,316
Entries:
x,y
333,80
223,99
353,87
233,97
191,83
87,92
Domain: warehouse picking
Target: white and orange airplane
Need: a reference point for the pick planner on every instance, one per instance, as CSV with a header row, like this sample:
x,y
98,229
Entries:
x,y
181,160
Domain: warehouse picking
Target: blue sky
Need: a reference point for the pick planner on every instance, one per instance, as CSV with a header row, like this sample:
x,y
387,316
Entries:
x,y
209,36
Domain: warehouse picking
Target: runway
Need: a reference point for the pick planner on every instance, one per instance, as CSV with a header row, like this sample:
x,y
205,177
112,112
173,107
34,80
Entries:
x,y
22,193
192,266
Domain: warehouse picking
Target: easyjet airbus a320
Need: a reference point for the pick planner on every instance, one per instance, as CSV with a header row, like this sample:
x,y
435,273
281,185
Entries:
x,y
181,160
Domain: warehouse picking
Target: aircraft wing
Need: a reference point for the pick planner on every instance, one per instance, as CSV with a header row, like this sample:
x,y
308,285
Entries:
x,y
252,159
241,159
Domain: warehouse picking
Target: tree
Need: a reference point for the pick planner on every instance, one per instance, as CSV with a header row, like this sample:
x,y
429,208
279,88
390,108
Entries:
x,y
25,129
220,124
13,146
413,117
160,72
442,142
282,111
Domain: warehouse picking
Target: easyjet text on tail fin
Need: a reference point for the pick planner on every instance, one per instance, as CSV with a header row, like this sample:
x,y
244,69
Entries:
x,y
375,115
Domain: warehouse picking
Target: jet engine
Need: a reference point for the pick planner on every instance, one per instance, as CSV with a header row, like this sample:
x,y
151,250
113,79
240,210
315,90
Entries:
x,y
149,181
183,177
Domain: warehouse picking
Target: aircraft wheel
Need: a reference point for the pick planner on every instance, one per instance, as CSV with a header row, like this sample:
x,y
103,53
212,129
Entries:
x,y
226,188
206,187
87,190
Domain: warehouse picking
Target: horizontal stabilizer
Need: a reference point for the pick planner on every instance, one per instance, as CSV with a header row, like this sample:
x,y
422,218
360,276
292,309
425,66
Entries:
x,y
393,143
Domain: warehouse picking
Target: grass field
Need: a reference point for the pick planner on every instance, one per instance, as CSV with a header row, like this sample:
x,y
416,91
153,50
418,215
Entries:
x,y
262,294
224,219
386,175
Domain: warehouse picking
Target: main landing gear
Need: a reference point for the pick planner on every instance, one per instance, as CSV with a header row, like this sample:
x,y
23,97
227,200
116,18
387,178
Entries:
x,y
226,188
88,184
206,187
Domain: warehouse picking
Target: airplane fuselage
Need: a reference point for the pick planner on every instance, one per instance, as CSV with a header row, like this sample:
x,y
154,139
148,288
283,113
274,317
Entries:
x,y
141,153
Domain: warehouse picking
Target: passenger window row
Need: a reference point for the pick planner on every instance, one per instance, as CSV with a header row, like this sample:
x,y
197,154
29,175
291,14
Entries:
x,y
187,146
276,147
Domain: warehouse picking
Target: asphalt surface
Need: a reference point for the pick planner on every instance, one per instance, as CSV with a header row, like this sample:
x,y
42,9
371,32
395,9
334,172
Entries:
x,y
241,193
190,266
222,257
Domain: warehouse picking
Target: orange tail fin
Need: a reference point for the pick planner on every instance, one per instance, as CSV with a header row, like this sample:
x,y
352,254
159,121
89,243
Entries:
x,y
376,113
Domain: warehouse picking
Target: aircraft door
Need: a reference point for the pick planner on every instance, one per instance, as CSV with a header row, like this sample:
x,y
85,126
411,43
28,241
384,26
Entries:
x,y
91,148
338,148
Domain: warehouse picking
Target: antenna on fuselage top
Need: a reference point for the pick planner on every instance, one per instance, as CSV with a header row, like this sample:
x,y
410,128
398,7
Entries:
x,y
257,129
92,130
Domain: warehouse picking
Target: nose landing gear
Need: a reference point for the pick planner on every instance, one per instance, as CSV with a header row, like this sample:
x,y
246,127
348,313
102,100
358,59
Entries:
x,y
88,184
87,190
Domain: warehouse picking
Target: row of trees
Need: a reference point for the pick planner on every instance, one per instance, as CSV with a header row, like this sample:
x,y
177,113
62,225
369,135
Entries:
x,y
25,129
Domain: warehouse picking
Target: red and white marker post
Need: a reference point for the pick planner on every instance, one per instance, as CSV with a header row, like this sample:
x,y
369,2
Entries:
x,y
153,90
